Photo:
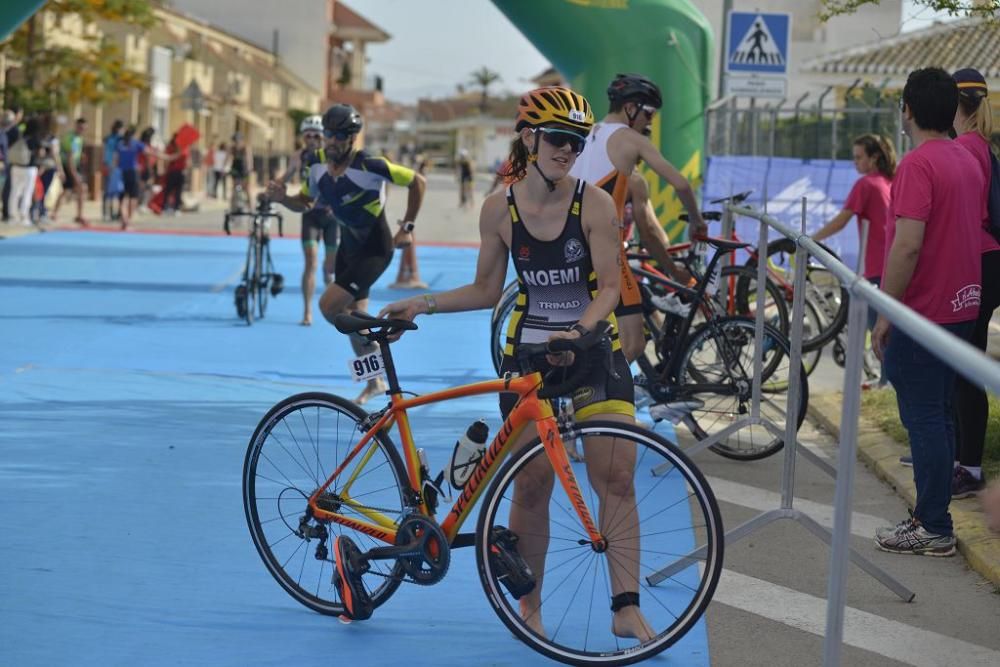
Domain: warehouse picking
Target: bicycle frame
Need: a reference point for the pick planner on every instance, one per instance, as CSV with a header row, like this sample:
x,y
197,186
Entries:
x,y
529,408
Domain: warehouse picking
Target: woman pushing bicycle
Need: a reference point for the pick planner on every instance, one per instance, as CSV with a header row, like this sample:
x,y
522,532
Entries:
x,y
563,236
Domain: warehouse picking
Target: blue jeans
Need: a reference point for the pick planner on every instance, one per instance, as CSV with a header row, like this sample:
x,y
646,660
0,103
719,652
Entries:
x,y
924,388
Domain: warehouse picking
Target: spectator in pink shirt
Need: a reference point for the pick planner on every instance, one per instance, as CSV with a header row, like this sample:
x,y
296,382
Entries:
x,y
974,125
932,268
875,159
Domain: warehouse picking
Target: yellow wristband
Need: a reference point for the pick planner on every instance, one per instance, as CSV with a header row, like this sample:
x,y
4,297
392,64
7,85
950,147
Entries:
x,y
431,304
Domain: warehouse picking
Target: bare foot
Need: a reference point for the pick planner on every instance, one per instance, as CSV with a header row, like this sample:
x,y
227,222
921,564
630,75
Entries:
x,y
629,622
374,388
307,320
532,616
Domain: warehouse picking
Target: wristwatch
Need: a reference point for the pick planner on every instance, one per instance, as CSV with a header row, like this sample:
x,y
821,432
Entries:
x,y
407,225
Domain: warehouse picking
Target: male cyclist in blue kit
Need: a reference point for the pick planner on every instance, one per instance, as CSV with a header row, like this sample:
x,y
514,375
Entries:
x,y
318,223
351,183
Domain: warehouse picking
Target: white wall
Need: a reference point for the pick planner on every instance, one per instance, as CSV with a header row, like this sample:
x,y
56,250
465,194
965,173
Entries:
x,y
302,25
810,37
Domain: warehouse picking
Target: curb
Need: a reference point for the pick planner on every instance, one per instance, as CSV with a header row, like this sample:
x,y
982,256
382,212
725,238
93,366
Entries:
x,y
881,453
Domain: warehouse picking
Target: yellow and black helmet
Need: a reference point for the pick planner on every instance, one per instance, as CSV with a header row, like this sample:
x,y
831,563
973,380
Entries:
x,y
554,105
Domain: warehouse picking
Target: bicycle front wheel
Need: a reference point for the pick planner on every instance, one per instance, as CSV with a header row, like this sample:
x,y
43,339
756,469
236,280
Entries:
x,y
716,376
664,541
249,279
296,446
263,275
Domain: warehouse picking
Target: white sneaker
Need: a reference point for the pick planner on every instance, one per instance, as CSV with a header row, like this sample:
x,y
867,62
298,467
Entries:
x,y
671,303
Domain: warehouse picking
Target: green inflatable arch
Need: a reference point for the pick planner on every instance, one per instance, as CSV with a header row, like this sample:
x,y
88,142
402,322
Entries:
x,y
670,41
14,13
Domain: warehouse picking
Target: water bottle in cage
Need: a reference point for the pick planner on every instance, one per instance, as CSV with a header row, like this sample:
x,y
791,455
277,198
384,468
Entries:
x,y
468,453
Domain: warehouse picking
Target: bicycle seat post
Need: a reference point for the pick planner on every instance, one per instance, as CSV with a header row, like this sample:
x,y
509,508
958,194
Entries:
x,y
390,368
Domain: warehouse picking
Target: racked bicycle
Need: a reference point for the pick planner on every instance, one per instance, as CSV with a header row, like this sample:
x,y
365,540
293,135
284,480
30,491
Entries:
x,y
342,517
259,277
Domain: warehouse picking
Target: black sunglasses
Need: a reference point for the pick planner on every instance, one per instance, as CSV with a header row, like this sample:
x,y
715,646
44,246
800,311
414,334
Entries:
x,y
558,138
339,135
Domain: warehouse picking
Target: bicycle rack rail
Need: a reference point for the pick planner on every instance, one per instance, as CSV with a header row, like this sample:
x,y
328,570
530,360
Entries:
x,y
839,536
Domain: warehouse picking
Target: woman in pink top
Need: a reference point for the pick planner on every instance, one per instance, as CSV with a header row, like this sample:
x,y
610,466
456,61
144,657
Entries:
x,y
974,126
875,159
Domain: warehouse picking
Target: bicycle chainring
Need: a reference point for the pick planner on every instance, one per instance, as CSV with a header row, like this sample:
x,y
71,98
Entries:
x,y
431,554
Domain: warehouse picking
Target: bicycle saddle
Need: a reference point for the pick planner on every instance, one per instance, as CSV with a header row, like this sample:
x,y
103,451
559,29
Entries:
x,y
735,199
724,244
359,321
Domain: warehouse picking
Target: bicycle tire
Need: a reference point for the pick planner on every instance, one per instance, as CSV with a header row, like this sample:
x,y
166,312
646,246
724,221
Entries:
x,y
829,297
249,273
275,498
689,516
263,274
732,340
499,321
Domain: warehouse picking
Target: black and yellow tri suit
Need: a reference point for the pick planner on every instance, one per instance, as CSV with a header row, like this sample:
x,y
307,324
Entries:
x,y
556,282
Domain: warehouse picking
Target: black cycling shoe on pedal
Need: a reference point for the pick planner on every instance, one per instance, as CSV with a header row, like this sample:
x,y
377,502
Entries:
x,y
350,566
512,570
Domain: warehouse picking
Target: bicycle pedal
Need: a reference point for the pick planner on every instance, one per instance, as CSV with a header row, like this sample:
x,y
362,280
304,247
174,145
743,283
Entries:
x,y
512,570
347,580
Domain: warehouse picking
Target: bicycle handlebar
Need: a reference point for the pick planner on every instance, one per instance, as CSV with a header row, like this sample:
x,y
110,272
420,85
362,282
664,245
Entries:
x,y
585,349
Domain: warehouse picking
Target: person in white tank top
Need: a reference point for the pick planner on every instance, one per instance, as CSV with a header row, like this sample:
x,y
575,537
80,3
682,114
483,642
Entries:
x,y
613,149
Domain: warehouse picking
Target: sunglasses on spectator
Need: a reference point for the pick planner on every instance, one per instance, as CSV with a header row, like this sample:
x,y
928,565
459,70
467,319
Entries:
x,y
339,135
558,138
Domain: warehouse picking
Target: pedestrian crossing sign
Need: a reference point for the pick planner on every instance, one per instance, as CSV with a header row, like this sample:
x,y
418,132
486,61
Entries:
x,y
758,43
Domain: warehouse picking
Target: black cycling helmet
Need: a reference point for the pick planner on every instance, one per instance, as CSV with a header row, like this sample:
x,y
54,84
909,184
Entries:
x,y
634,88
342,118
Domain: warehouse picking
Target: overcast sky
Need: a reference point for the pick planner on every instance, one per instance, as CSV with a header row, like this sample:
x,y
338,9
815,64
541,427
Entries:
x,y
420,60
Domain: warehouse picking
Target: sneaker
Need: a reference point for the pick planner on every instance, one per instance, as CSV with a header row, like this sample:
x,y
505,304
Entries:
x,y
906,460
964,484
909,537
357,603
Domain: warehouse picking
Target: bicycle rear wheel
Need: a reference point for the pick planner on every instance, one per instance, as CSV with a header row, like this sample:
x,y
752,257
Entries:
x,y
822,288
499,323
659,517
296,446
716,374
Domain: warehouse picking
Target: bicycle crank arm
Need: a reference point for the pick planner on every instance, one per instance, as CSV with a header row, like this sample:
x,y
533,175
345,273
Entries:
x,y
412,550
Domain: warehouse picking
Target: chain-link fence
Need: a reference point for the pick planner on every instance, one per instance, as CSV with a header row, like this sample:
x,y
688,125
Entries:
x,y
793,130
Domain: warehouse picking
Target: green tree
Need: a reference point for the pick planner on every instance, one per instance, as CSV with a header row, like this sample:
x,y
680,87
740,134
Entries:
x,y
55,77
833,8
484,77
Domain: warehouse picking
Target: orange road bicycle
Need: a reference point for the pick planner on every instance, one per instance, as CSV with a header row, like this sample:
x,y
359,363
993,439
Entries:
x,y
342,517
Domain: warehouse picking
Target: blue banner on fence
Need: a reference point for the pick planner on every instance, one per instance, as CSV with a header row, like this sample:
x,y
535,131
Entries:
x,y
784,181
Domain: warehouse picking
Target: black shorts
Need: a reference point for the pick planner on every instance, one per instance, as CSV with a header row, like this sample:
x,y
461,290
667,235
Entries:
x,y
600,394
69,181
359,265
130,182
320,225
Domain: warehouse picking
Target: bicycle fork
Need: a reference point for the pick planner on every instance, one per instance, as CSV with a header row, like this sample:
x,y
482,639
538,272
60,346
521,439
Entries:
x,y
548,429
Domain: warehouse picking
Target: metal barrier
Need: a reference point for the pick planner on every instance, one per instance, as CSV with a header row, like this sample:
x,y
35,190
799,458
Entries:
x,y
958,354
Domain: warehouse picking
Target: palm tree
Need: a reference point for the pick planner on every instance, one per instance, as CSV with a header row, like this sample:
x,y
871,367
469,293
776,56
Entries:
x,y
484,77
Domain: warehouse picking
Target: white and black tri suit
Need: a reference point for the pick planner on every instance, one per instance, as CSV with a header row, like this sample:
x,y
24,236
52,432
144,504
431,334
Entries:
x,y
357,200
556,282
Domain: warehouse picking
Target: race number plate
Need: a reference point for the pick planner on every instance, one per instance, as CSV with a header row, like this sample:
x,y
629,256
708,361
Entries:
x,y
367,366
